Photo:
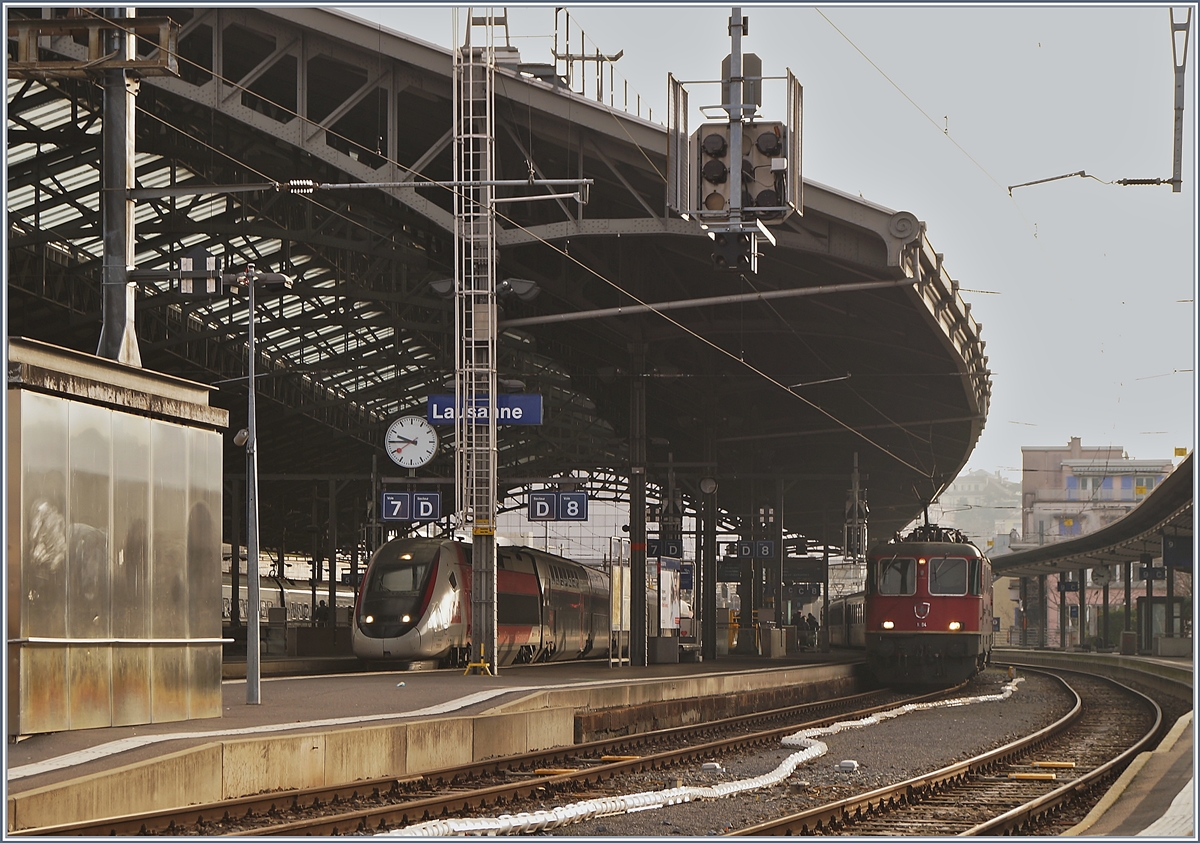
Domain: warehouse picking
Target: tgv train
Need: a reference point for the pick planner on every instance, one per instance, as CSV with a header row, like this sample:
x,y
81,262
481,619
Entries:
x,y
925,617
273,592
415,604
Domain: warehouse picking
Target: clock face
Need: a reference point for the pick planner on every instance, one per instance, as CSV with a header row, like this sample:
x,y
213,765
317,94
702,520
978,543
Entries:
x,y
411,442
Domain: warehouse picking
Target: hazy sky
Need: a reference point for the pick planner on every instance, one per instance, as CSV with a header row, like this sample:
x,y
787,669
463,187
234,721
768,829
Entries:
x,y
1085,290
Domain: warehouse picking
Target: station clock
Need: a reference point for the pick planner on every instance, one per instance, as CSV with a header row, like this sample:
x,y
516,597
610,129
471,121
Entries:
x,y
411,442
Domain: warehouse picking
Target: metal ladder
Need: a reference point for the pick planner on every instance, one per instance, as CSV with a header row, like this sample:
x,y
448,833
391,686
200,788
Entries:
x,y
475,318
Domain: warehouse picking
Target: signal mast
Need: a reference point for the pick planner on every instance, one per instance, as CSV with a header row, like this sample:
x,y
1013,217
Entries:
x,y
738,176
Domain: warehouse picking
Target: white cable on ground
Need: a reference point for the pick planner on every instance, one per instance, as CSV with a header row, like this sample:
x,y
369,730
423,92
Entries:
x,y
804,740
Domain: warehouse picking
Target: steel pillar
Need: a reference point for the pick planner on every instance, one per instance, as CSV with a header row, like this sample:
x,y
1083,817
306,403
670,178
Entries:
x,y
1044,612
331,615
235,561
1146,619
475,320
1128,595
118,340
253,598
708,577
638,642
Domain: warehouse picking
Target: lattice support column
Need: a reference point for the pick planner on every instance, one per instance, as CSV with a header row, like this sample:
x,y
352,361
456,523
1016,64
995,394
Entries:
x,y
475,320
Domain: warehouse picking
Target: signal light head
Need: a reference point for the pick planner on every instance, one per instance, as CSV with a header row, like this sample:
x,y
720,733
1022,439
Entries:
x,y
714,202
769,143
715,171
767,198
715,145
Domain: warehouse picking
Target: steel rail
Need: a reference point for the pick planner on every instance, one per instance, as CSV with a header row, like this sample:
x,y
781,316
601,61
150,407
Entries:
x,y
381,817
1019,817
915,790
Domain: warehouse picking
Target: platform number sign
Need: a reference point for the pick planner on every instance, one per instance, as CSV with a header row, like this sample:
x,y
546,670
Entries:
x,y
558,506
572,506
543,506
756,550
411,506
664,548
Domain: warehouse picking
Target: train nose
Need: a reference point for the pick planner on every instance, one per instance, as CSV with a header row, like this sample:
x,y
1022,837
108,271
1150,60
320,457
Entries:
x,y
406,646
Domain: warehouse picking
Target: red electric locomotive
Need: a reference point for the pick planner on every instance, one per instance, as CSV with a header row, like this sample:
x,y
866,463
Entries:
x,y
928,615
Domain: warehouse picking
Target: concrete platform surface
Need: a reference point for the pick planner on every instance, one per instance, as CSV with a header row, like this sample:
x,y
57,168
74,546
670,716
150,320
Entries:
x,y
1154,797
299,704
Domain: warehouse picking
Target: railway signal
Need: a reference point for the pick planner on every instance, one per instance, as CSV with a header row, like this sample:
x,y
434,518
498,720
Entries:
x,y
734,176
735,250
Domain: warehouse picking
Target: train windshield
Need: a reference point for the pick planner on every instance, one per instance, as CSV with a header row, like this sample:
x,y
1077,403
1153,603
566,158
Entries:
x,y
947,576
898,576
400,573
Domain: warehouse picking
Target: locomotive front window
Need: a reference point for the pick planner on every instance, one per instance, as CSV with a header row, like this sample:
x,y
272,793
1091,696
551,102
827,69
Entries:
x,y
898,576
947,576
406,580
402,571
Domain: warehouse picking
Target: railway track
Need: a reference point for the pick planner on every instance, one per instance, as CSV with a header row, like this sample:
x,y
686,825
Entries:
x,y
1008,790
390,802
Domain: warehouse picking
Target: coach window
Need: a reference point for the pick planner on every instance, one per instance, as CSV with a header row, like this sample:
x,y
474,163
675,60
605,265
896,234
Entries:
x,y
947,576
898,576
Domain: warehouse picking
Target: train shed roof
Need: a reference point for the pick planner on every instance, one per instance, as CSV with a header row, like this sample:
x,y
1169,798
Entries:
x,y
851,338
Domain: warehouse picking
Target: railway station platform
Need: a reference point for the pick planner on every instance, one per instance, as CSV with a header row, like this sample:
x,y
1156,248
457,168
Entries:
x,y
1155,796
314,727
321,729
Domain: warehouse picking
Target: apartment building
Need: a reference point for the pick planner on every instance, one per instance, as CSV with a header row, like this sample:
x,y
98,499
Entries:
x,y
1072,491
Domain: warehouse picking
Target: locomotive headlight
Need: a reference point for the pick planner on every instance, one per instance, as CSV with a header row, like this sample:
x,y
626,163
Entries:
x,y
369,619
955,626
888,625
405,619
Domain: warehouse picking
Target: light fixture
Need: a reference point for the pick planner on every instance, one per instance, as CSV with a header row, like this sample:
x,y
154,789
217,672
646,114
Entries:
x,y
240,437
955,626
522,288
888,625
444,287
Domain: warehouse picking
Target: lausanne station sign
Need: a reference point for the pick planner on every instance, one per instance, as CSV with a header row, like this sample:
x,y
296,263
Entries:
x,y
511,408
